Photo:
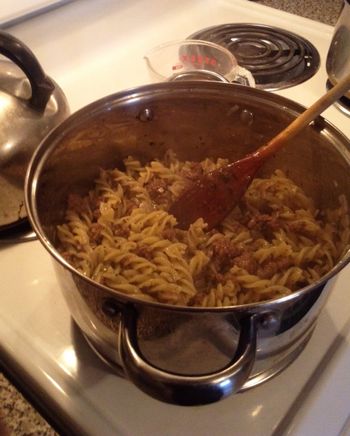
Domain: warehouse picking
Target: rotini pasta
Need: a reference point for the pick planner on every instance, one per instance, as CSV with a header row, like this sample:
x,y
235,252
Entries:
x,y
273,243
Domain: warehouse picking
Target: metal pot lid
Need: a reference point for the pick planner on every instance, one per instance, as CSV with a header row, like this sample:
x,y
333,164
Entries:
x,y
31,105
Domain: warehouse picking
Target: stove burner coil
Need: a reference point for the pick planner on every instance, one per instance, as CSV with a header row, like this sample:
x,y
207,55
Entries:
x,y
277,58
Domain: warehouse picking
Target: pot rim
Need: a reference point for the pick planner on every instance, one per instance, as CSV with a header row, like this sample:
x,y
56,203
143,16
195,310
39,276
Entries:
x,y
48,145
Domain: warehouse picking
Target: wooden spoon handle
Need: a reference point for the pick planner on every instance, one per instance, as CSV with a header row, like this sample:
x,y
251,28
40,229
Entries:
x,y
305,118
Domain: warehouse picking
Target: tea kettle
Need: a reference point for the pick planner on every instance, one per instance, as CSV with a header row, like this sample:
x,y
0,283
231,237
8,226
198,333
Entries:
x,y
338,57
31,104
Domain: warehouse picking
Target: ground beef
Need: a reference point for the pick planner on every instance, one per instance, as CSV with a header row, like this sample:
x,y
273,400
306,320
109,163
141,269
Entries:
x,y
246,261
212,276
271,267
169,233
95,234
263,222
130,205
224,251
121,229
157,189
95,202
144,251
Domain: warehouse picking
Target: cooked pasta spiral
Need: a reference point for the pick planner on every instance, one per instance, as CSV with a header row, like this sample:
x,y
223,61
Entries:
x,y
273,243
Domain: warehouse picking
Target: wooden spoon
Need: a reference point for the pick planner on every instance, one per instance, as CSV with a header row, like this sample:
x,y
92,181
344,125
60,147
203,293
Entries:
x,y
215,194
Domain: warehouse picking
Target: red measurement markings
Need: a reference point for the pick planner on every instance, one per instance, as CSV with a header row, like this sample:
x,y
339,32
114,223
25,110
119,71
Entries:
x,y
198,60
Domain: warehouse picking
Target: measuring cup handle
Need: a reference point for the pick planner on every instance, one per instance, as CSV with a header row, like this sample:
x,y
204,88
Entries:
x,y
244,77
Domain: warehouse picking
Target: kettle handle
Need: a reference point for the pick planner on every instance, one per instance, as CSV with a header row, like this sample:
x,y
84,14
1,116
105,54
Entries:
x,y
42,86
186,390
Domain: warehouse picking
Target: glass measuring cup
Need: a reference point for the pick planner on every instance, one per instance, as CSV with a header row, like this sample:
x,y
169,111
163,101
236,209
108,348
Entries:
x,y
195,59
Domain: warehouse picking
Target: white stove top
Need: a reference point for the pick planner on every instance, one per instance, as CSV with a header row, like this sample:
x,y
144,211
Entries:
x,y
93,49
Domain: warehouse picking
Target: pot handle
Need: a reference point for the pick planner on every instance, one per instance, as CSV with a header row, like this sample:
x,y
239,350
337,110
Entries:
x,y
180,389
23,57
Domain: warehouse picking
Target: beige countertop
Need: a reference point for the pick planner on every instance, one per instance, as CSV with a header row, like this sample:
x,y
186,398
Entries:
x,y
319,10
15,412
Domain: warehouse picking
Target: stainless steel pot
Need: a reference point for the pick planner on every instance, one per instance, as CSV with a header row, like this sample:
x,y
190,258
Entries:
x,y
31,105
185,355
338,57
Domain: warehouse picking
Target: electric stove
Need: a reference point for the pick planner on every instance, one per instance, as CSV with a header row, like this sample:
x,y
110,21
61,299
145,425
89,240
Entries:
x,y
93,49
